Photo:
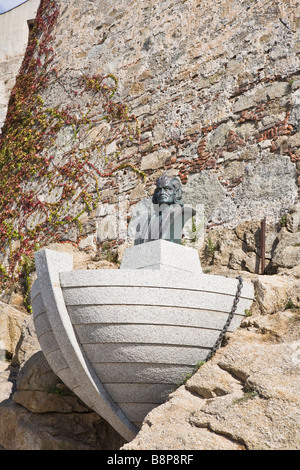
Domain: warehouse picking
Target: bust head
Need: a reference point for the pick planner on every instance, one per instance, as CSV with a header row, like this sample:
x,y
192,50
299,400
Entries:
x,y
167,191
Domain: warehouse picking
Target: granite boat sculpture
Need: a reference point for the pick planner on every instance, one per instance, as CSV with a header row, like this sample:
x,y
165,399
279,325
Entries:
x,y
123,339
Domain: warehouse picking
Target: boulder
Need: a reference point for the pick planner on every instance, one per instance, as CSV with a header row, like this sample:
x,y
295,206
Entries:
x,y
245,398
11,321
277,292
23,430
40,390
287,253
44,415
27,344
293,219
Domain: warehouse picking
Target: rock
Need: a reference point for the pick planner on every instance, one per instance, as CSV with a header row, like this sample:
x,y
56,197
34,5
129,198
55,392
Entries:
x,y
62,247
102,264
266,184
295,112
260,93
204,188
249,234
239,248
168,427
273,293
80,259
138,192
42,416
50,402
16,300
234,418
245,397
155,160
28,343
87,243
40,391
213,382
218,137
293,219
11,321
287,252
241,260
295,272
36,374
7,380
23,430
38,412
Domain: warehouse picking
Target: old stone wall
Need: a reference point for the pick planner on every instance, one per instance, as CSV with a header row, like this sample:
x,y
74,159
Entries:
x,y
207,91
214,86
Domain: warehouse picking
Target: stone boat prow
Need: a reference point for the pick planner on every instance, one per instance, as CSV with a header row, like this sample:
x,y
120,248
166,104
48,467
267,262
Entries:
x,y
122,340
60,345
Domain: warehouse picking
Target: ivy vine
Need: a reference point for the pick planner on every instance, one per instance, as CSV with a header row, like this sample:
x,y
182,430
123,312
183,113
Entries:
x,y
44,186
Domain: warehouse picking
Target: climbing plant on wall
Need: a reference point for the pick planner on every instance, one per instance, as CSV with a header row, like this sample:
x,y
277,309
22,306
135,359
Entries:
x,y
51,159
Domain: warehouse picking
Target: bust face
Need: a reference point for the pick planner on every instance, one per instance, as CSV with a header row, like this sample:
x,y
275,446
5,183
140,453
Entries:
x,y
165,192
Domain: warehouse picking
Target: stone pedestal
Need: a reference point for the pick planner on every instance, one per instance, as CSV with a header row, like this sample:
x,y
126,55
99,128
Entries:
x,y
161,254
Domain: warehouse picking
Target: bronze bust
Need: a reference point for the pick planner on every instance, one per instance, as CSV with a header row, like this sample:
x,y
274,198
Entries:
x,y
168,191
167,215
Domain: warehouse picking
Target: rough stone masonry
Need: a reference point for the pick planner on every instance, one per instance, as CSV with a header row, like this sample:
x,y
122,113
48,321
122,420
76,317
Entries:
x,y
215,89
